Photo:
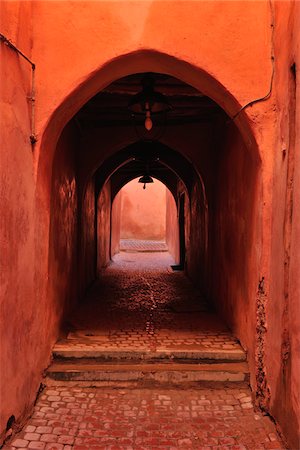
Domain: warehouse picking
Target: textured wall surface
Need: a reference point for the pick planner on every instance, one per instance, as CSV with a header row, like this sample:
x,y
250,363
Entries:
x,y
19,329
251,175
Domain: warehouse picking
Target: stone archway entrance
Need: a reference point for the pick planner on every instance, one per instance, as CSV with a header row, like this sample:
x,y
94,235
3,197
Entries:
x,y
219,215
211,210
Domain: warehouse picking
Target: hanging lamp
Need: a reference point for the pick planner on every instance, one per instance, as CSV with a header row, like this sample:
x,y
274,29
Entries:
x,y
148,102
146,179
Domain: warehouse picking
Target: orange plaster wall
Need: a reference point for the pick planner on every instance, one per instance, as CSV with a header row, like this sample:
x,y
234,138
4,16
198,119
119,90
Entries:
x,y
143,211
282,344
22,344
294,269
233,255
110,31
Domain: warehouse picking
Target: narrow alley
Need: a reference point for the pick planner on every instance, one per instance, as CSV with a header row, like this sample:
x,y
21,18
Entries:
x,y
144,364
150,224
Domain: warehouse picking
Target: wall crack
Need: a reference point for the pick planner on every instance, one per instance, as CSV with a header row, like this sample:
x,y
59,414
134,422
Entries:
x,y
262,394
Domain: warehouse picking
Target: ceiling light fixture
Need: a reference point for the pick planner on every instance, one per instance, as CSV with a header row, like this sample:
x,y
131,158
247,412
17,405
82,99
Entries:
x,y
146,179
148,102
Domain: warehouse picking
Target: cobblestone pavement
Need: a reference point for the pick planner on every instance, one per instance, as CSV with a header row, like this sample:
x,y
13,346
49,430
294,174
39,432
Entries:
x,y
139,303
138,245
92,418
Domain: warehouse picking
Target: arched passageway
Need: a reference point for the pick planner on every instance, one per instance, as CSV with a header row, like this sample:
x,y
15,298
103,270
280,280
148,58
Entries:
x,y
166,165
139,216
234,97
213,178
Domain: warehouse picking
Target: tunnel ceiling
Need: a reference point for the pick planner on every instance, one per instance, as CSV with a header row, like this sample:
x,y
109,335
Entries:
x,y
159,160
110,106
138,167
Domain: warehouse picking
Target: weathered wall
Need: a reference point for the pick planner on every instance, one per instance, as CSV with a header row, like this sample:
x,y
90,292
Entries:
x,y
294,267
103,227
282,359
197,251
109,31
143,211
62,264
172,230
87,239
233,255
19,315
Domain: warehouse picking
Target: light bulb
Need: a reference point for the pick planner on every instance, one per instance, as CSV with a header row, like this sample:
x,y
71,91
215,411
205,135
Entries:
x,y
148,121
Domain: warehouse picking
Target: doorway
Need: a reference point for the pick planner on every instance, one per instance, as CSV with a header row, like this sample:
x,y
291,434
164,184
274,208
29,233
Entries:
x,y
143,216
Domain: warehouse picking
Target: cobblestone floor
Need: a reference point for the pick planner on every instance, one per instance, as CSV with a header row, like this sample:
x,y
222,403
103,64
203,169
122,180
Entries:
x,y
138,245
89,418
140,303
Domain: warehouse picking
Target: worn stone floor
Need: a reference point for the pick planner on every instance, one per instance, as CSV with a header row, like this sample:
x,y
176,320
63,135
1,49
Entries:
x,y
139,245
146,306
83,418
141,304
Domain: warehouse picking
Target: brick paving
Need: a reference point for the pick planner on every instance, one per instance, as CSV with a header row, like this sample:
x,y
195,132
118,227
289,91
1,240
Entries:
x,y
84,418
138,245
138,303
141,304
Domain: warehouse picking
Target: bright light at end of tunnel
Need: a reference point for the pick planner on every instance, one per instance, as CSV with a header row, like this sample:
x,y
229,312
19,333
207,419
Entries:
x,y
148,121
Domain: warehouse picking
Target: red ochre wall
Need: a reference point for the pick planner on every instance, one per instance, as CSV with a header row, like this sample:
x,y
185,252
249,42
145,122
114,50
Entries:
x,y
62,289
233,256
231,42
292,377
24,343
283,305
143,211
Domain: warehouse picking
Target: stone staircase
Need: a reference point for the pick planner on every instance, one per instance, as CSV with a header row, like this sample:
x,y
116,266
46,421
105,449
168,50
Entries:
x,y
78,360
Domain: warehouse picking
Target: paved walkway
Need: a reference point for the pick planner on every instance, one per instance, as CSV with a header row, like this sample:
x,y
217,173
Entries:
x,y
140,303
138,245
134,419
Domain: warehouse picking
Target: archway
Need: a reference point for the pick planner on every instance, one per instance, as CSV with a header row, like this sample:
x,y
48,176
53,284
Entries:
x,y
140,216
220,218
167,166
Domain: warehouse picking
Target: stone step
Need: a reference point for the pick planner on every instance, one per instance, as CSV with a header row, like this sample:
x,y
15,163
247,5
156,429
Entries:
x,y
172,373
194,353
